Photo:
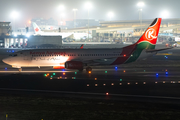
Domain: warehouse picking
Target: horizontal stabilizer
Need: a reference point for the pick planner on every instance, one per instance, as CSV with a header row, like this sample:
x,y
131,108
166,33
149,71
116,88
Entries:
x,y
156,50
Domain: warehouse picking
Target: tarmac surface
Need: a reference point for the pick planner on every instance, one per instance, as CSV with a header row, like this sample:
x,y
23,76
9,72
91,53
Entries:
x,y
153,80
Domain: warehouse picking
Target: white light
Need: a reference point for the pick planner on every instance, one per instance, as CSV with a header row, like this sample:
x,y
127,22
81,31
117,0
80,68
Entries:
x,y
88,6
165,14
75,9
15,35
110,14
14,14
27,35
63,15
140,4
61,7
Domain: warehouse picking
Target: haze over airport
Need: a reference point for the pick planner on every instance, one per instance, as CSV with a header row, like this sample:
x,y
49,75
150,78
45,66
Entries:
x,y
26,10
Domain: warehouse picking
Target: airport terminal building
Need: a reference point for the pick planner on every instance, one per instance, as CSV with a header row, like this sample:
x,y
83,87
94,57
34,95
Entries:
x,y
101,31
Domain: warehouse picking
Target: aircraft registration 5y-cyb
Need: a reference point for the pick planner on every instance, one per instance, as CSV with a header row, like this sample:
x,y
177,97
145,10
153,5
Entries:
x,y
80,58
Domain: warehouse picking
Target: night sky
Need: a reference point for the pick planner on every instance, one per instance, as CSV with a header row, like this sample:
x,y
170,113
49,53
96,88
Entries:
x,y
123,9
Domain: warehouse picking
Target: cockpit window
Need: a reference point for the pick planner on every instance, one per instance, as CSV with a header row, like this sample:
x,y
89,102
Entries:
x,y
13,55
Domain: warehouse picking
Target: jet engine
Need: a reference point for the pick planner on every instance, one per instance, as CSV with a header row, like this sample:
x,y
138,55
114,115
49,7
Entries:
x,y
74,65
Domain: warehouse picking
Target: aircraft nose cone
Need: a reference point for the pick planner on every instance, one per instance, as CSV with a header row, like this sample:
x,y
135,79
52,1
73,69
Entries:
x,y
6,60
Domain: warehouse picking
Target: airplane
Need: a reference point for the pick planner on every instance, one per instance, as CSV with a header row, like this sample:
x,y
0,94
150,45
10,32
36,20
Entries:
x,y
80,58
76,36
39,32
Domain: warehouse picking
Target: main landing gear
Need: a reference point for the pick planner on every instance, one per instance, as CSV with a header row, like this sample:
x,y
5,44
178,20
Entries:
x,y
88,69
20,69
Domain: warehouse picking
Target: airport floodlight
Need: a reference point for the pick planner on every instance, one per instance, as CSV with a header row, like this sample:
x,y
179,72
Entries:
x,y
14,14
61,8
15,35
165,14
27,35
110,15
140,4
88,5
75,10
63,15
29,22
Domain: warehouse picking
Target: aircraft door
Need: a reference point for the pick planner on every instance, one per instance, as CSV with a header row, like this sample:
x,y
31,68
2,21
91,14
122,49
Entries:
x,y
26,56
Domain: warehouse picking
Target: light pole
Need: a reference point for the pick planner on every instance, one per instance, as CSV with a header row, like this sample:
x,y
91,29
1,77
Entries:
x,y
110,15
61,8
14,15
88,6
140,5
61,20
75,10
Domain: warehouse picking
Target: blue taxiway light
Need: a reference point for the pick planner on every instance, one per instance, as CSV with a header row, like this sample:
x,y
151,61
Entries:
x,y
12,51
166,73
5,68
157,74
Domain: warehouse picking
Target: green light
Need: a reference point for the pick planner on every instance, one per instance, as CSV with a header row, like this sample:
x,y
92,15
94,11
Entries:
x,y
75,73
51,76
74,77
105,71
120,79
144,70
164,56
44,74
54,73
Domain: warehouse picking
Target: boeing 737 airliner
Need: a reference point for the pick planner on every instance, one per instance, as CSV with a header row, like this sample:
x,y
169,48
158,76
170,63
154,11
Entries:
x,y
80,58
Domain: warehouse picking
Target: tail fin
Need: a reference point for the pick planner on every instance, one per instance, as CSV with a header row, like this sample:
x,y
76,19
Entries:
x,y
82,46
149,38
36,28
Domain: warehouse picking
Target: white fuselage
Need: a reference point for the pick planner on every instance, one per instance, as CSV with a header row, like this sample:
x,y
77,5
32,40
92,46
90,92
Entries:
x,y
58,57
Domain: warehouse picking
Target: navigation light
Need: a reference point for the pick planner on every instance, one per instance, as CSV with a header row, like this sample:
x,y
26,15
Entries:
x,y
54,73
157,74
105,71
107,93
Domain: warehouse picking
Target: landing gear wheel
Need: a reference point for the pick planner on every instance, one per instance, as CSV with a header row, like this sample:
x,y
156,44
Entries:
x,y
20,69
88,69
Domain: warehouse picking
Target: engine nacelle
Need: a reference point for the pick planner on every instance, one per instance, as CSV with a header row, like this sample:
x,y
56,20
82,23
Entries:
x,y
58,67
74,65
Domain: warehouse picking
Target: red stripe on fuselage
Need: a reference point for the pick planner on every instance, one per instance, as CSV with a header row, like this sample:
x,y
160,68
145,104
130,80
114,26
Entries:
x,y
126,53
